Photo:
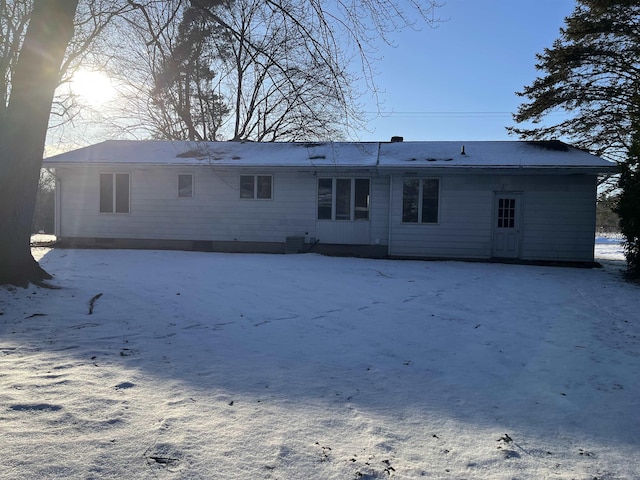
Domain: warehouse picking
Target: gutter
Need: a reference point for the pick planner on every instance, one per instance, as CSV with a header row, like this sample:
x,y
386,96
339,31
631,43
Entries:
x,y
371,167
501,169
390,214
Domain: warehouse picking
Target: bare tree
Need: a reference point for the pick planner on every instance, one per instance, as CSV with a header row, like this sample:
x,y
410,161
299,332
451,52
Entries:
x,y
34,59
183,91
165,79
90,49
23,129
277,89
257,70
14,18
301,81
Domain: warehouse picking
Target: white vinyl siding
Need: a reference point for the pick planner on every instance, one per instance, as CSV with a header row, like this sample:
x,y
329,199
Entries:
x,y
558,211
379,210
216,213
558,218
464,228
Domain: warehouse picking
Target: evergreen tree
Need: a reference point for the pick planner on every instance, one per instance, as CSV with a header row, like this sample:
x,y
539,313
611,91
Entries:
x,y
592,73
186,104
628,206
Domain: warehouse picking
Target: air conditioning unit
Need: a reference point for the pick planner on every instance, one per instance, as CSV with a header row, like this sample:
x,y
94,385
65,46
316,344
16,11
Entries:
x,y
294,245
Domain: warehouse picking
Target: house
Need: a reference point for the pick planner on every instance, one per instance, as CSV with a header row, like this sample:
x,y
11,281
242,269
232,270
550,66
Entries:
x,y
464,200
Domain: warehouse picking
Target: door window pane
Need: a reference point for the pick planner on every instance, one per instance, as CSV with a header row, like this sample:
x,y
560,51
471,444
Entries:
x,y
506,212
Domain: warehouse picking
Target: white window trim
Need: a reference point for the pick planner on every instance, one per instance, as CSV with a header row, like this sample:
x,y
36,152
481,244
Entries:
x,y
420,193
255,186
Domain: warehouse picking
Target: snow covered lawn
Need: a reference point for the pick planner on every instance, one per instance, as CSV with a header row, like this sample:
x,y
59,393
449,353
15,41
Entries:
x,y
231,366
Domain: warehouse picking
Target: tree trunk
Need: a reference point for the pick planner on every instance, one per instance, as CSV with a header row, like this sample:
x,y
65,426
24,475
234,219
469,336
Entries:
x,y
23,132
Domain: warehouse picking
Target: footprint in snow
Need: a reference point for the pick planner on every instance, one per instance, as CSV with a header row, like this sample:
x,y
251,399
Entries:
x,y
36,407
510,454
124,385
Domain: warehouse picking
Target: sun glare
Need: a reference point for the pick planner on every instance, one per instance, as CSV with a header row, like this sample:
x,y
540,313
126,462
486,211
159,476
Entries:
x,y
93,87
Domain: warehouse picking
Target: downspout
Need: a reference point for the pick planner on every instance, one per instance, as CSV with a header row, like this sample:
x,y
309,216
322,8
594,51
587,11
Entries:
x,y
390,213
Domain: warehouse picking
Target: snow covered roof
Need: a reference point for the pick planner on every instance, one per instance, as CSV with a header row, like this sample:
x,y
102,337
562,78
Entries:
x,y
371,155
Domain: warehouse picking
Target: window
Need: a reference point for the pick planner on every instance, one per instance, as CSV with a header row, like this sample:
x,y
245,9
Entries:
x,y
325,198
343,199
506,212
185,186
114,193
420,198
256,186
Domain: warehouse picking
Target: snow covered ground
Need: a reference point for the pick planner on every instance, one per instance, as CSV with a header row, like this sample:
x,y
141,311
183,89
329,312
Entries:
x,y
232,366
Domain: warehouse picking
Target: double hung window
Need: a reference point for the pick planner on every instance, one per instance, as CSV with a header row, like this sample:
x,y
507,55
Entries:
x,y
420,200
114,193
256,187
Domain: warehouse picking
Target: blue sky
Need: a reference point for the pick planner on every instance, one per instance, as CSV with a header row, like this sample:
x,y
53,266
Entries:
x,y
473,62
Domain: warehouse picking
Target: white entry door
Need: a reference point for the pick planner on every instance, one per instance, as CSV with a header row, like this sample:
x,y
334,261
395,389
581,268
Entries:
x,y
506,227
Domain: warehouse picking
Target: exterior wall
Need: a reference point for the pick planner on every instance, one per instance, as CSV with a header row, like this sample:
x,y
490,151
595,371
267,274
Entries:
x,y
360,232
558,218
380,210
558,214
343,232
465,219
158,213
